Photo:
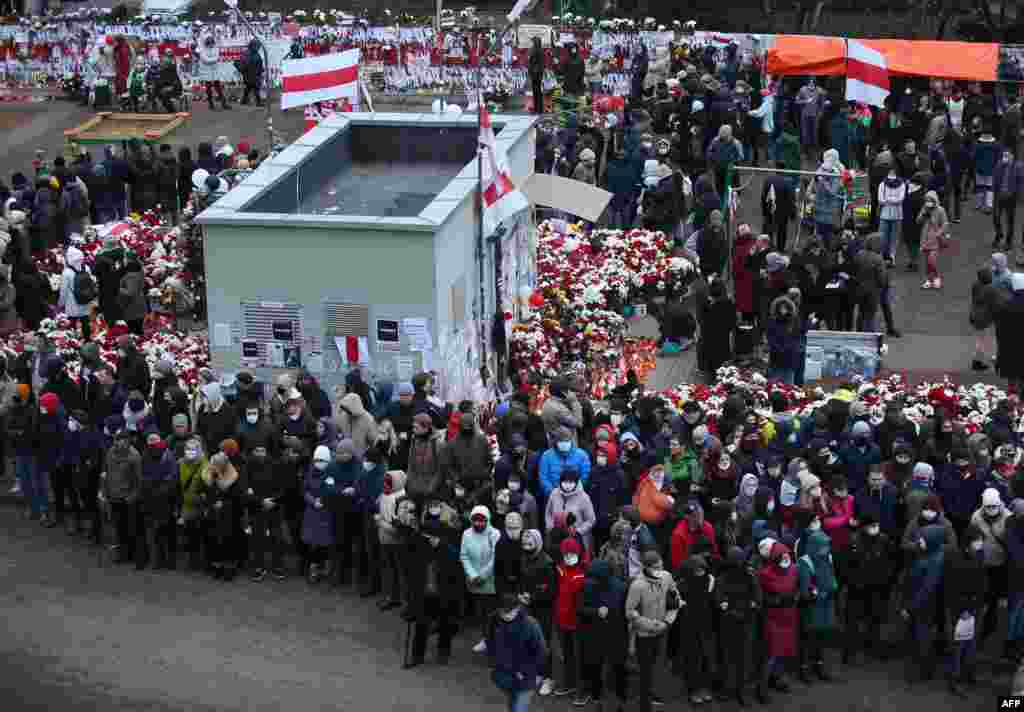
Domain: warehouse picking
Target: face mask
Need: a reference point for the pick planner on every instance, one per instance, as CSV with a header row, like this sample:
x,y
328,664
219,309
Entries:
x,y
479,524
929,514
771,506
369,466
602,461
616,419
514,485
514,533
902,460
564,446
509,616
321,465
691,418
42,411
814,526
872,530
251,418
992,511
434,511
724,462
460,491
73,425
568,487
977,546
785,563
191,453
750,490
294,416
774,471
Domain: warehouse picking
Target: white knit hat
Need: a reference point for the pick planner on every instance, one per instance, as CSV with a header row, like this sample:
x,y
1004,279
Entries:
x,y
990,498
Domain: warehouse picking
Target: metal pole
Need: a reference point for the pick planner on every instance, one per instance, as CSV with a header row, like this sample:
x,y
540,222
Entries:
x,y
784,171
480,194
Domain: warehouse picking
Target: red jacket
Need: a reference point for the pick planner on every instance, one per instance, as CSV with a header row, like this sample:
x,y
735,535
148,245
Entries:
x,y
570,587
683,539
837,522
744,278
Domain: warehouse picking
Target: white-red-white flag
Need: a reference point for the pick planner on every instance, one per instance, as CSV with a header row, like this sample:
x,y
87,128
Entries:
x,y
312,79
501,199
867,74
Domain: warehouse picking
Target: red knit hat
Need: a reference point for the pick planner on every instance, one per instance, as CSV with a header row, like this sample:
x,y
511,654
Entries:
x,y
50,403
570,546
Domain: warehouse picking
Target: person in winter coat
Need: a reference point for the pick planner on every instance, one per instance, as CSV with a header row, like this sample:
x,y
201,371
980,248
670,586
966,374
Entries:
x,y
208,69
538,587
921,597
536,72
386,517
157,539
1007,185
517,649
986,300
45,219
121,490
990,520
571,497
986,158
868,572
435,580
345,470
650,500
68,301
225,507
692,536
784,332
780,589
961,488
167,184
369,488
192,486
818,588
586,170
717,319
711,246
252,72
736,595
652,605
562,455
467,458
607,491
477,554
934,235
508,554
355,423
132,296
318,521
570,581
965,591
697,650
604,639
216,419
891,195
743,277
267,485
516,460
828,197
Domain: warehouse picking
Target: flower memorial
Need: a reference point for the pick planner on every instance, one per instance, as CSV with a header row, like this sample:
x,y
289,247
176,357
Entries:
x,y
165,257
583,285
973,407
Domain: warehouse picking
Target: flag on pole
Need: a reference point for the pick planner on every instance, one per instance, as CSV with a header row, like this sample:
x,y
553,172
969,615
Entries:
x,y
867,74
312,79
501,199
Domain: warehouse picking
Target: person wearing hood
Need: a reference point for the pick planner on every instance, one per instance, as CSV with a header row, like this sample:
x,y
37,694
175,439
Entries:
x,y
744,502
388,531
818,587
426,468
570,581
157,541
108,268
652,605
467,457
216,419
516,460
318,521
192,487
132,369
604,639
780,590
267,485
252,72
965,592
369,488
60,383
785,333
859,455
571,497
869,569
990,519
517,650
711,245
607,491
120,491
355,423
693,535
77,291
961,486
934,235
564,454
921,595
539,584
828,197
345,470
508,552
225,503
560,408
717,319
400,414
477,554
169,398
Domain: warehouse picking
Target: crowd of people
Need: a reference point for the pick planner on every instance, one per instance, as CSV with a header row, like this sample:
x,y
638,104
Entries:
x,y
741,547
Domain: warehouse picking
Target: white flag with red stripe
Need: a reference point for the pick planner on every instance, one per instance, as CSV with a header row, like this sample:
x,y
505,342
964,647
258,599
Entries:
x,y
501,199
312,79
867,74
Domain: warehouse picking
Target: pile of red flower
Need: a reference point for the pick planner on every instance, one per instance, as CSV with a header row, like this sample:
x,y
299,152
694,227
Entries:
x,y
584,281
164,256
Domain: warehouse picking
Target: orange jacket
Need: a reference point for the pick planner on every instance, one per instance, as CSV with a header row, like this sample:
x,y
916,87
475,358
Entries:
x,y
652,504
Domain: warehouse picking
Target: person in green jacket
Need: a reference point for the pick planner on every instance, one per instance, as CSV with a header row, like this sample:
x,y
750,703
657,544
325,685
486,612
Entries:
x,y
787,147
192,485
683,465
817,601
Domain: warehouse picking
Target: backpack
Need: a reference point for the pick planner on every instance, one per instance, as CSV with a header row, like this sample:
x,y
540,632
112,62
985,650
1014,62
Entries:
x,y
84,287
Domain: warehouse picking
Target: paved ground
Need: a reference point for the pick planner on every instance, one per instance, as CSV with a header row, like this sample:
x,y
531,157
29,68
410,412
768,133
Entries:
x,y
83,634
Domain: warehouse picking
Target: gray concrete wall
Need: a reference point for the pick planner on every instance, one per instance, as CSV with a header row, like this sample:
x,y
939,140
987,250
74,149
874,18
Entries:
x,y
392,272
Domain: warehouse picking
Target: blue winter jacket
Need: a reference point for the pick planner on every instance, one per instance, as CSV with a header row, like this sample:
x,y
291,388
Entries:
x,y
553,462
369,488
858,462
607,490
517,651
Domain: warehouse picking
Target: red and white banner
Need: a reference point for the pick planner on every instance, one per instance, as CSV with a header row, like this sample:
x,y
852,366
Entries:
x,y
501,199
312,79
867,74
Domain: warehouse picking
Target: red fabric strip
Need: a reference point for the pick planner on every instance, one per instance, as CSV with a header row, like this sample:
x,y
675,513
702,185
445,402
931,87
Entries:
x,y
320,80
867,73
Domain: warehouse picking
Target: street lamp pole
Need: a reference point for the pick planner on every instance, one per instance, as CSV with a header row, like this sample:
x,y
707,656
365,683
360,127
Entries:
x,y
233,4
